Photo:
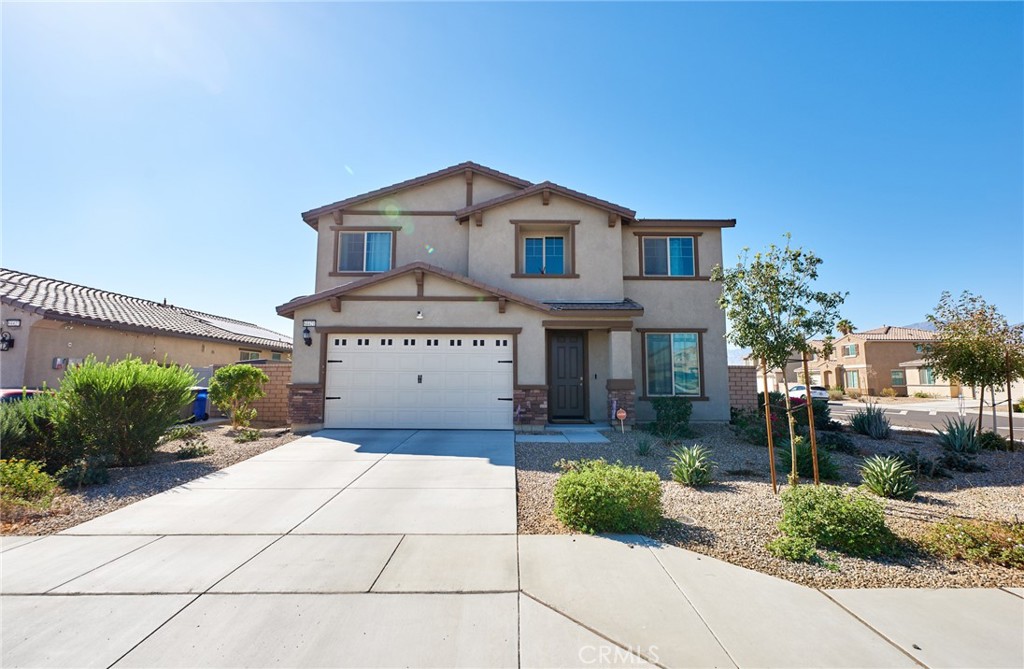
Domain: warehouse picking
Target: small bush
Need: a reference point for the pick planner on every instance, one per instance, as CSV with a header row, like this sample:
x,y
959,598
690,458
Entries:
x,y
595,496
835,441
835,394
672,417
853,393
123,408
852,523
90,470
922,466
977,541
751,427
234,388
1019,406
246,435
644,444
923,395
888,392
888,477
193,450
993,441
35,430
795,549
822,414
827,468
692,466
959,436
186,433
775,399
24,484
871,421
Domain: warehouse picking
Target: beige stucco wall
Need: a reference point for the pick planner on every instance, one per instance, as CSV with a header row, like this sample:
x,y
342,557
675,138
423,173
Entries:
x,y
709,247
941,388
39,341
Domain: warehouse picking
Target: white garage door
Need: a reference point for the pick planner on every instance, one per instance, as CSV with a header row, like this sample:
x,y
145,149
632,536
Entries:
x,y
416,381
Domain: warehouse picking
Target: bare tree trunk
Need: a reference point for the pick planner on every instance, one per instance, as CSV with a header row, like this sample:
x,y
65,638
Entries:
x,y
794,475
981,407
1009,399
992,394
810,419
768,421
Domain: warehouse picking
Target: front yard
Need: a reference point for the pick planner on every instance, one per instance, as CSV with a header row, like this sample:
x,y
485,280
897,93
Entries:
x,y
737,515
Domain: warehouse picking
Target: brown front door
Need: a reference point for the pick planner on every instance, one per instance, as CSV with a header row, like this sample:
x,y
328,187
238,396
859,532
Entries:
x,y
566,376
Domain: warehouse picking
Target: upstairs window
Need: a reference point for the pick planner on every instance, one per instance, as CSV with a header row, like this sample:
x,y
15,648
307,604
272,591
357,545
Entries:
x,y
544,255
849,350
365,251
669,256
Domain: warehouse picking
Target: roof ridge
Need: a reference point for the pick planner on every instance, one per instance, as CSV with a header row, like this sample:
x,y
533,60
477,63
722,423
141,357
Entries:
x,y
79,286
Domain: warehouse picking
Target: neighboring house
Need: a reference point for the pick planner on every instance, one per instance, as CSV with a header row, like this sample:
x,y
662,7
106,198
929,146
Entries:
x,y
470,298
50,324
921,378
872,360
793,372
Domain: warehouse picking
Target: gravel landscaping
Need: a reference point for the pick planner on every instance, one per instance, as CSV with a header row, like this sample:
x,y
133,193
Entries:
x,y
131,484
735,517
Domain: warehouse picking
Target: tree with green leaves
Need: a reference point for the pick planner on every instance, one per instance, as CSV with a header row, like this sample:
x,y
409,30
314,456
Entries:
x,y
845,327
774,310
234,388
974,344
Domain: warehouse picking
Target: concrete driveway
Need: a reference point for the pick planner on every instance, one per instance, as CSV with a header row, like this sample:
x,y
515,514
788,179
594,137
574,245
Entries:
x,y
398,548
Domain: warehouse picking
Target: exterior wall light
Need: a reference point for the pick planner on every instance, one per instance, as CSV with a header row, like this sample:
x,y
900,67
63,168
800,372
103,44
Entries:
x,y
419,315
307,337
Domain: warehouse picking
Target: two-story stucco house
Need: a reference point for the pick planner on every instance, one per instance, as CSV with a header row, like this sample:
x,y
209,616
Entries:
x,y
469,298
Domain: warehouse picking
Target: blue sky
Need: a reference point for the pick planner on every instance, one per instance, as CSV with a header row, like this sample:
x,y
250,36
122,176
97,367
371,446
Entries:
x,y
166,150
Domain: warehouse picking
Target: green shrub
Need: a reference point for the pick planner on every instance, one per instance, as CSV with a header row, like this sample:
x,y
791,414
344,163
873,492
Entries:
x,y
595,496
822,415
775,399
692,466
888,477
37,430
852,523
194,450
13,426
795,549
835,441
234,388
672,417
977,541
853,393
751,427
827,468
959,436
24,484
871,421
835,393
247,434
193,441
1019,406
993,441
922,466
923,395
644,444
123,408
90,470
888,392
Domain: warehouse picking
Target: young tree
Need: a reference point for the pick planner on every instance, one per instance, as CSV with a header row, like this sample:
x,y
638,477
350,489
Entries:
x,y
974,344
234,388
774,310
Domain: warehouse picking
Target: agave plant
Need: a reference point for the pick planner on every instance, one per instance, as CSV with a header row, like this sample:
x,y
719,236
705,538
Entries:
x,y
692,466
871,421
888,477
959,436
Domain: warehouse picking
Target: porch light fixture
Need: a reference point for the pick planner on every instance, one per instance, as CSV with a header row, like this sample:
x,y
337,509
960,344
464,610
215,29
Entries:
x,y
419,315
307,338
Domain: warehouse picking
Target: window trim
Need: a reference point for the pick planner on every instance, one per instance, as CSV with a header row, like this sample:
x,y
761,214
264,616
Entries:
x,y
846,378
338,230
545,228
247,350
931,373
700,332
543,237
696,276
856,351
642,242
892,381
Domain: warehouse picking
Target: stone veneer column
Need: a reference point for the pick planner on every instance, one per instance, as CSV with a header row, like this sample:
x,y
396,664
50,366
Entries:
x,y
305,404
621,395
530,408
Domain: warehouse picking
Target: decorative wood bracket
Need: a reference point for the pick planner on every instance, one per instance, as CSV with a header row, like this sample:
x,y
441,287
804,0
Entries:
x,y
419,282
501,305
478,218
338,217
612,220
336,304
545,197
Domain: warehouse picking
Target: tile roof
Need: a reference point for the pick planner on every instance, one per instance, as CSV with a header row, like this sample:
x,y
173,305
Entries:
x,y
63,301
465,212
893,333
312,215
625,305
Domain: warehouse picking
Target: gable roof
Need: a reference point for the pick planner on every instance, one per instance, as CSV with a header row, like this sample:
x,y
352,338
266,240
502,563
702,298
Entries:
x,y
288,309
466,212
893,333
63,301
311,217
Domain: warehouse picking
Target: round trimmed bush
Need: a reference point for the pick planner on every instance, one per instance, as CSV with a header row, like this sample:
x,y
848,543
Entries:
x,y
596,496
853,523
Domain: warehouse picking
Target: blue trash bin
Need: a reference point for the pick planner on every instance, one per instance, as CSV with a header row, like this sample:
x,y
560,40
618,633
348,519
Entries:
x,y
199,404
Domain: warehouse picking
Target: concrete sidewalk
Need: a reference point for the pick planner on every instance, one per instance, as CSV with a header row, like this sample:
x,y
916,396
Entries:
x,y
398,548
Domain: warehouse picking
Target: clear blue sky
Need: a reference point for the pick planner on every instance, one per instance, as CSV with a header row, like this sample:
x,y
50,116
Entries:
x,y
167,150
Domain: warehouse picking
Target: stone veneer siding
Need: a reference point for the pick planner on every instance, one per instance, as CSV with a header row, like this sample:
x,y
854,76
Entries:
x,y
621,395
305,404
743,387
530,408
272,408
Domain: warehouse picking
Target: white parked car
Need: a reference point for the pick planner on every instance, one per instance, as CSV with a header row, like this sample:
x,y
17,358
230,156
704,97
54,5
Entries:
x,y
800,392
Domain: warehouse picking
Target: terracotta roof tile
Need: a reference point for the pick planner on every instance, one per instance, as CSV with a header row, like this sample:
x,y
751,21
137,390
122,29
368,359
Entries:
x,y
465,212
60,300
893,333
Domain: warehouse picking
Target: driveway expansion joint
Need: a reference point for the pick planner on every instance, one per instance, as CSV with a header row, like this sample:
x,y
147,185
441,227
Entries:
x,y
873,629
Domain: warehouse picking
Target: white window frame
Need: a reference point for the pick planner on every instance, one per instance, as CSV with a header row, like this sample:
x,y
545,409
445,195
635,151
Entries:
x,y
668,255
245,355
366,246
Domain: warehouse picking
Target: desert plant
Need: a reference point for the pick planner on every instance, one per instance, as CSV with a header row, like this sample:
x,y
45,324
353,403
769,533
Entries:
x,y
827,468
24,484
37,430
644,444
922,395
691,466
795,549
871,421
959,436
922,466
834,440
595,496
672,417
852,523
888,477
192,450
186,433
234,388
853,393
993,441
247,434
89,470
1019,406
888,392
977,541
123,408
835,393
776,399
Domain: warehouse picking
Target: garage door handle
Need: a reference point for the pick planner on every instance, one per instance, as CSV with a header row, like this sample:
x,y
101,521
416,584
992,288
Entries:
x,y
504,362
332,398
335,361
504,399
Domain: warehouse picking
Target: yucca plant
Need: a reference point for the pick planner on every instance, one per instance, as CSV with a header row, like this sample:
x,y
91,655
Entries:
x,y
959,436
888,477
871,421
692,466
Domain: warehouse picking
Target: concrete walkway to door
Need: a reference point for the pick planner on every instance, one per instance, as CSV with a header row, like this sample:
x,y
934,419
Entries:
x,y
398,548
